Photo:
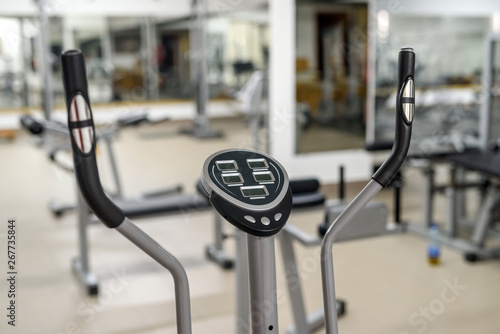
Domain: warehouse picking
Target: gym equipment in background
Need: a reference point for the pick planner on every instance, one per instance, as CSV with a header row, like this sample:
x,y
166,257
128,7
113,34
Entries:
x,y
248,188
485,223
54,137
463,154
44,24
201,127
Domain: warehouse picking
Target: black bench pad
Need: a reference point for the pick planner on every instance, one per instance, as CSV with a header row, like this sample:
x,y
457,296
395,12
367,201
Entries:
x,y
488,163
160,205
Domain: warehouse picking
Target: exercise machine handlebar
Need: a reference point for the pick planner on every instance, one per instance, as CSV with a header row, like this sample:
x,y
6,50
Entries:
x,y
405,106
80,123
405,109
82,133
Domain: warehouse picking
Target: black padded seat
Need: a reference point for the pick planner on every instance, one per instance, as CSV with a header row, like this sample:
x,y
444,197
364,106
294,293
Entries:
x,y
442,155
161,205
300,186
306,200
484,162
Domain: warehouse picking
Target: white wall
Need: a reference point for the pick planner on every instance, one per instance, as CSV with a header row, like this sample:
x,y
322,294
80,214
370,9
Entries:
x,y
306,36
10,39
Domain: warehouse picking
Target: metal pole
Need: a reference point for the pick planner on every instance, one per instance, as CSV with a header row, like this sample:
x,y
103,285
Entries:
x,y
168,261
83,216
81,266
485,115
201,53
149,64
483,219
341,183
199,59
461,203
25,65
219,233
44,22
242,284
294,285
330,303
428,195
451,193
397,201
107,54
262,276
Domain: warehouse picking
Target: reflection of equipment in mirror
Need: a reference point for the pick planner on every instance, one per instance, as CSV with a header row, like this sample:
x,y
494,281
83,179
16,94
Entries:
x,y
201,127
46,62
331,74
465,154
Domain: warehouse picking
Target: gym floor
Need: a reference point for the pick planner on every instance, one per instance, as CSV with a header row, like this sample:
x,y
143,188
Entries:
x,y
387,283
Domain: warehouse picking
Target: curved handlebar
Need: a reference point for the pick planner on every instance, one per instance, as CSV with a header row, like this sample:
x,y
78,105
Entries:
x,y
405,109
80,123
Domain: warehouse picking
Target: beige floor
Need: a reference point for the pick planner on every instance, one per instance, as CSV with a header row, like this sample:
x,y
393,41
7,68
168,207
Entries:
x,y
388,285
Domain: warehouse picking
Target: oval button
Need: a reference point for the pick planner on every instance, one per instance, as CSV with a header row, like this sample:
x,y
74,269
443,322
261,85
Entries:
x,y
265,221
250,219
278,216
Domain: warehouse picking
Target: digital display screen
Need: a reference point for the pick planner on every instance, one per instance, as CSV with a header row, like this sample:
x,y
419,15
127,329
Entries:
x,y
232,178
257,163
255,191
263,176
226,165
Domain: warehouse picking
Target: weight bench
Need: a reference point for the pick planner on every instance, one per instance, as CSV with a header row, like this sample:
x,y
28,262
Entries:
x,y
54,135
488,165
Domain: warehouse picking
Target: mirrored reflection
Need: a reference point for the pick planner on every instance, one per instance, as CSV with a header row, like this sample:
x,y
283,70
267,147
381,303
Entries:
x,y
449,68
133,58
494,69
331,67
17,61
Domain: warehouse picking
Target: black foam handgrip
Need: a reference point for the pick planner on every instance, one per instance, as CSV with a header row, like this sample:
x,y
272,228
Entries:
x,y
31,124
406,71
87,174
